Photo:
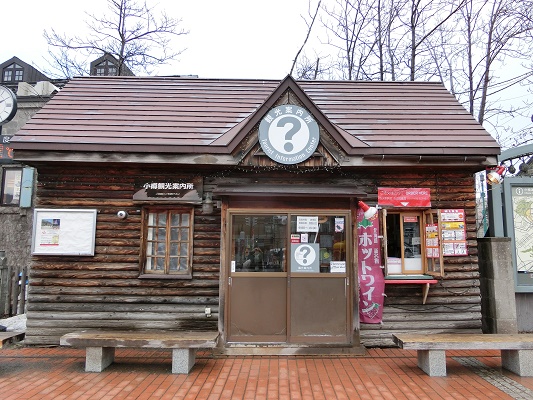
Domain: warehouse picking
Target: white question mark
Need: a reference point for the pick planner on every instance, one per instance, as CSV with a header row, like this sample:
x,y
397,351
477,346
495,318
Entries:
x,y
296,125
305,252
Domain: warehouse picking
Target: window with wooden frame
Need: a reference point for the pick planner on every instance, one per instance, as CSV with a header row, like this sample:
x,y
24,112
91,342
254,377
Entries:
x,y
10,189
167,242
411,244
105,68
13,73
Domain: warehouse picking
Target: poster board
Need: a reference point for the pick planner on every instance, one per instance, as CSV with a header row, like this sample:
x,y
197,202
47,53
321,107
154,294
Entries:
x,y
453,232
67,232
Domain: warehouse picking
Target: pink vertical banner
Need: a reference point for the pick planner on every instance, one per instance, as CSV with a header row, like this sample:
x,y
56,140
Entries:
x,y
371,279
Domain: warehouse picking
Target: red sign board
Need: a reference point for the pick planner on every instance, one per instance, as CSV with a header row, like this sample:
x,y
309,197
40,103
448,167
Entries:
x,y
6,152
404,197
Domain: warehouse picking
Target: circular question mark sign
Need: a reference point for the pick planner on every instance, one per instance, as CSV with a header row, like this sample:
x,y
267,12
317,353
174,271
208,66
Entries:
x,y
305,255
289,134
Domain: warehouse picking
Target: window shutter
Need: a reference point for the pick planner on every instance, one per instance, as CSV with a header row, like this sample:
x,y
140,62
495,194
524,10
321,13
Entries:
x,y
434,265
26,187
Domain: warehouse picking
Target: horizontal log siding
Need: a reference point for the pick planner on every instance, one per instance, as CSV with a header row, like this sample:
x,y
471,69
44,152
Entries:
x,y
454,304
104,291
69,293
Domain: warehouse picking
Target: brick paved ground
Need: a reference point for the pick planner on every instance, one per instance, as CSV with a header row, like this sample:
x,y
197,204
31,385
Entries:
x,y
58,373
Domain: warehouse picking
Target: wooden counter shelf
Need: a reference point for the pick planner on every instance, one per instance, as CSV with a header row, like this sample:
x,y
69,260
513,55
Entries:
x,y
425,280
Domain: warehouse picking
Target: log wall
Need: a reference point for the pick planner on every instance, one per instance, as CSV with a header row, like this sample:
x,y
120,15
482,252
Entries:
x,y
454,304
104,291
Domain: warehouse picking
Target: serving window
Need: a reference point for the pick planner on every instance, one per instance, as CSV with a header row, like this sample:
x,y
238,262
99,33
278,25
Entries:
x,y
411,242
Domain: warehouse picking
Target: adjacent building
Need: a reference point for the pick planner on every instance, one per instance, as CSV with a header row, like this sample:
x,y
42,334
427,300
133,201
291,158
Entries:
x,y
32,89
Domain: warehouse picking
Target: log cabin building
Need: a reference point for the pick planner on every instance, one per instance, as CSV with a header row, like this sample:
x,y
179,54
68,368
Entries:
x,y
170,203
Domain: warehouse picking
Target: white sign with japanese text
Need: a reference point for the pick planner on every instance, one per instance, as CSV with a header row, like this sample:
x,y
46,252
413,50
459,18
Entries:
x,y
306,224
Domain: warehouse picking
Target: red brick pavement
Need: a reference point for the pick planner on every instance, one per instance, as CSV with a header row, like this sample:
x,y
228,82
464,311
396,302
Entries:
x,y
58,373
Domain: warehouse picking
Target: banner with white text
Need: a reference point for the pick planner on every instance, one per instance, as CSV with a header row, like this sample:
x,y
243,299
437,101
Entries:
x,y
371,279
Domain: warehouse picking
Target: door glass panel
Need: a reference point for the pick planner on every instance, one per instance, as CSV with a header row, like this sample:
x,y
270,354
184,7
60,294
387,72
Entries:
x,y
412,243
258,243
319,243
404,244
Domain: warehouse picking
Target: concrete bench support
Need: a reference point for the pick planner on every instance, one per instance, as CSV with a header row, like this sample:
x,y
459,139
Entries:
x,y
432,362
183,360
98,358
516,349
519,362
100,346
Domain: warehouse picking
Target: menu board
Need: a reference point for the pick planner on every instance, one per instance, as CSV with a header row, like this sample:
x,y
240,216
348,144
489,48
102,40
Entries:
x,y
432,241
453,232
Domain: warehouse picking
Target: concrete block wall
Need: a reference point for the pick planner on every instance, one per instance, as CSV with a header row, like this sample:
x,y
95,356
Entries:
x,y
498,304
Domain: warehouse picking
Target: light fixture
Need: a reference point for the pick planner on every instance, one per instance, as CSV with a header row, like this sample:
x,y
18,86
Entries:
x,y
207,205
122,214
370,212
495,174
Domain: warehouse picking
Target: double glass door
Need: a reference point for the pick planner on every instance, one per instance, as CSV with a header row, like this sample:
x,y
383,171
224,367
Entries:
x,y
289,278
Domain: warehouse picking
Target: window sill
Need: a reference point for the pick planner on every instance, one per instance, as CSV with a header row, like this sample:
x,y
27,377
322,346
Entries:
x,y
164,276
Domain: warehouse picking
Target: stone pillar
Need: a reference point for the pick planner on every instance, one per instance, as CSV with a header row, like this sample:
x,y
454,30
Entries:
x,y
498,304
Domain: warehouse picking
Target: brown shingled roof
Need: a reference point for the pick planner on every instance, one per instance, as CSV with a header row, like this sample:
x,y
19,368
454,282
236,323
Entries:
x,y
178,115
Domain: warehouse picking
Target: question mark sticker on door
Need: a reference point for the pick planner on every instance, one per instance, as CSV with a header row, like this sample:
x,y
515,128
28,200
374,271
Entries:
x,y
304,257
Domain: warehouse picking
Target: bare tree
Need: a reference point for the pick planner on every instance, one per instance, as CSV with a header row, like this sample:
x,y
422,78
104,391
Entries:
x,y
492,33
422,20
309,29
387,35
348,25
131,31
473,46
386,39
504,25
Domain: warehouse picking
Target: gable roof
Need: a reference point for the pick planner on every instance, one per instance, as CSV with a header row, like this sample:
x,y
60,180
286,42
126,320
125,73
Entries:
x,y
31,74
211,116
113,60
236,134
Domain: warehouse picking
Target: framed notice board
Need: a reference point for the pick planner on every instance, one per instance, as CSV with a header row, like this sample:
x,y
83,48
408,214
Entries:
x,y
66,232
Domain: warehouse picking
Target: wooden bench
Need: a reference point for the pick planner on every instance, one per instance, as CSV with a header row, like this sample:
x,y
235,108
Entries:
x,y
516,349
11,337
100,346
424,280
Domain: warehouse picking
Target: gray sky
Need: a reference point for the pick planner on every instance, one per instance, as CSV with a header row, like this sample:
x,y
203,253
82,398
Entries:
x,y
227,39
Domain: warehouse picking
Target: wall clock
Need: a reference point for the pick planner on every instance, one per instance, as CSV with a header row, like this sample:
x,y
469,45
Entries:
x,y
8,105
